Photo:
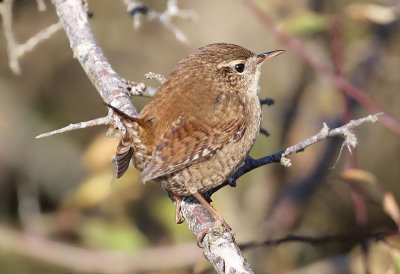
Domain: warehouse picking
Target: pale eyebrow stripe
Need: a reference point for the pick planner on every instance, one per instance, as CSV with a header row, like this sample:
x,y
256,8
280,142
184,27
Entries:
x,y
231,63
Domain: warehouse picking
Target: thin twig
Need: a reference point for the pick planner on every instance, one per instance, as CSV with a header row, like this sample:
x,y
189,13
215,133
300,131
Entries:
x,y
345,130
351,237
95,122
172,11
350,138
338,81
32,42
16,50
156,76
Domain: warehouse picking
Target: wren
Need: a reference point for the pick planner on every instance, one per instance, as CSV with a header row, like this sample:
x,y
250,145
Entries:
x,y
200,125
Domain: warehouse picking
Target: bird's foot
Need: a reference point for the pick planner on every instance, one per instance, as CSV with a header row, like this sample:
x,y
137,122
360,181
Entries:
x,y
178,200
202,234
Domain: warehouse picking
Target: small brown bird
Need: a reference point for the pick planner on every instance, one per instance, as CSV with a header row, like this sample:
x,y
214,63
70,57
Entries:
x,y
200,125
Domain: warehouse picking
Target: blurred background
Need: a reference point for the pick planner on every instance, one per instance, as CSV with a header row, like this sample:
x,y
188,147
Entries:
x,y
61,190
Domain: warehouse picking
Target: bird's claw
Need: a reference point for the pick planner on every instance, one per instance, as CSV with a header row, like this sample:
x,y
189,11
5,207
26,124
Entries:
x,y
203,233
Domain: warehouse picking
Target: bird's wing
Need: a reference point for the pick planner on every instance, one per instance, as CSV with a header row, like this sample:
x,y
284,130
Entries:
x,y
186,143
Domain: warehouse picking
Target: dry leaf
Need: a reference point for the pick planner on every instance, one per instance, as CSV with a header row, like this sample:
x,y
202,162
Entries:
x,y
383,257
100,153
367,185
377,14
101,188
364,183
391,208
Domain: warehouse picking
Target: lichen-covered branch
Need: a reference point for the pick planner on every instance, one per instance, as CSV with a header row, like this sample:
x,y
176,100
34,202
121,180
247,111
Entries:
x,y
111,86
220,247
350,140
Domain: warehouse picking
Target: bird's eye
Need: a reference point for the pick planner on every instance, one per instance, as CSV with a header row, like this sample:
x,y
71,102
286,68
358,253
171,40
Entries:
x,y
239,67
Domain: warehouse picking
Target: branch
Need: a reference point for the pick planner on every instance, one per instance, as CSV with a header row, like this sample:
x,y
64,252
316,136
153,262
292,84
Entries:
x,y
112,88
345,130
354,237
16,50
220,248
136,9
97,261
337,80
95,122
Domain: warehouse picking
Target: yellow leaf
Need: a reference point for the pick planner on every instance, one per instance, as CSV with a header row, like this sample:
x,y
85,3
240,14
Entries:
x,y
112,236
100,187
100,153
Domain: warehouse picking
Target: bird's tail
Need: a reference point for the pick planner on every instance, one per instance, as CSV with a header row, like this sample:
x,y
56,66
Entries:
x,y
135,143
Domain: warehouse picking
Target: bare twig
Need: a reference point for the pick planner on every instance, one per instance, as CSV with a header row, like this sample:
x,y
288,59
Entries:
x,y
345,130
353,237
95,122
337,80
111,86
136,9
16,50
156,76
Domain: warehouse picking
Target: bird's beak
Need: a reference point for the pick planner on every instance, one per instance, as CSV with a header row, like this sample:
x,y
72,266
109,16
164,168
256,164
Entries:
x,y
268,55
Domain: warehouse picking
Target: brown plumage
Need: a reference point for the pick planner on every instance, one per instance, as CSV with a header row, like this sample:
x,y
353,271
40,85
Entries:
x,y
200,125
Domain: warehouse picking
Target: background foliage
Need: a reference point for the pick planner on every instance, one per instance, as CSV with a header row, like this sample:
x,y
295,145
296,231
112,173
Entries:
x,y
61,187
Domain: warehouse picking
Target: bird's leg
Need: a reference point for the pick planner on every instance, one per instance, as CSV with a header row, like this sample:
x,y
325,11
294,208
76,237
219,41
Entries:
x,y
178,200
217,216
